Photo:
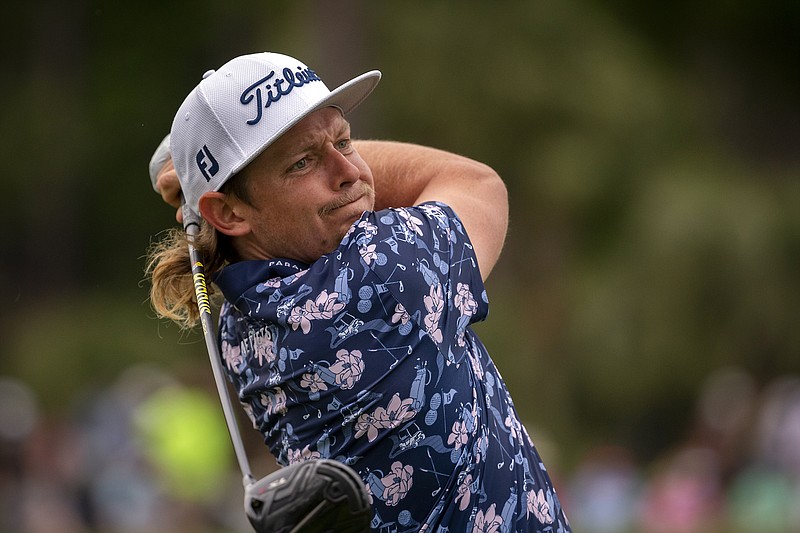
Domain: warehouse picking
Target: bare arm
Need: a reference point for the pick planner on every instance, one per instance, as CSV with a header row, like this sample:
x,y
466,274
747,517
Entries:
x,y
409,174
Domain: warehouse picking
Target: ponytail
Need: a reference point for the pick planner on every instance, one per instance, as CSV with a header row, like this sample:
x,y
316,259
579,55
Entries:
x,y
169,268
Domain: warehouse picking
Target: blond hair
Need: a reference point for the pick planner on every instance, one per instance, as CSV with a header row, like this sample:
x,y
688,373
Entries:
x,y
169,268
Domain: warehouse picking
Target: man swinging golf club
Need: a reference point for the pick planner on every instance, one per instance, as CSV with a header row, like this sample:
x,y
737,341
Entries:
x,y
351,272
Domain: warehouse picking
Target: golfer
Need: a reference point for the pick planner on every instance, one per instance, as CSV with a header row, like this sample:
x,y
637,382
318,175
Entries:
x,y
351,274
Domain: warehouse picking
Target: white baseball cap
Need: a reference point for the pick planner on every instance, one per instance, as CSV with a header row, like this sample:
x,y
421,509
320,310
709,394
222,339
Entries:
x,y
238,110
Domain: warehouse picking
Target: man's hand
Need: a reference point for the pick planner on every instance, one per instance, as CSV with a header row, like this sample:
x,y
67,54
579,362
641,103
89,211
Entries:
x,y
164,178
169,188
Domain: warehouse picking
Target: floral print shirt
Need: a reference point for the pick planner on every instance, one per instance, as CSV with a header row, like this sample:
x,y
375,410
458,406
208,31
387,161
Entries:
x,y
367,357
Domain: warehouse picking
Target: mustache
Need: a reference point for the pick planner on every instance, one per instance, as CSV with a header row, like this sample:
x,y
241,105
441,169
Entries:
x,y
358,191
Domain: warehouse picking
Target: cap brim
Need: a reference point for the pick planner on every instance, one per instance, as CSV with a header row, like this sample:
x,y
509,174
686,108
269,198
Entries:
x,y
345,97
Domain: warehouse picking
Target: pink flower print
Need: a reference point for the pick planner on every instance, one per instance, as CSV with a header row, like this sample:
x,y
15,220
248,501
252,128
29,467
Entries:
x,y
298,456
397,483
232,355
434,303
391,416
313,382
348,368
459,435
264,353
299,317
368,227
368,424
264,348
513,425
400,315
274,402
293,456
368,253
460,341
537,504
464,493
397,412
487,523
413,223
475,362
324,307
400,410
464,300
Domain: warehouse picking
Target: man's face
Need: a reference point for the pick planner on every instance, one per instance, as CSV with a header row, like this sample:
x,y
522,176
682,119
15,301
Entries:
x,y
306,190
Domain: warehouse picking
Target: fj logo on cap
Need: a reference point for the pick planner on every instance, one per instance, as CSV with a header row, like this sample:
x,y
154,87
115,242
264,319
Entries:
x,y
206,163
275,90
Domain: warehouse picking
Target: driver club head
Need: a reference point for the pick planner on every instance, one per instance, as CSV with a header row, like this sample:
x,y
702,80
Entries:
x,y
314,496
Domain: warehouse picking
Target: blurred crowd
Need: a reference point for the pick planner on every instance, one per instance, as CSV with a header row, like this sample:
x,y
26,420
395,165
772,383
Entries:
x,y
737,470
150,454
147,454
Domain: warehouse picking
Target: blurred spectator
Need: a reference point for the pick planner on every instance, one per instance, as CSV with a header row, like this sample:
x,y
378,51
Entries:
x,y
765,494
19,415
604,491
778,429
684,494
763,499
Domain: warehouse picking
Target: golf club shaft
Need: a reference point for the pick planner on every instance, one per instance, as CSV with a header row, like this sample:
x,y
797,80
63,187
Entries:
x,y
191,224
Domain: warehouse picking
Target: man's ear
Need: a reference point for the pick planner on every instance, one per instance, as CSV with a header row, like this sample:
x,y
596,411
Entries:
x,y
222,211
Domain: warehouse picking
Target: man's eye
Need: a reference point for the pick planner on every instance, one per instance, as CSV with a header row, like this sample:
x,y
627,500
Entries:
x,y
300,165
343,144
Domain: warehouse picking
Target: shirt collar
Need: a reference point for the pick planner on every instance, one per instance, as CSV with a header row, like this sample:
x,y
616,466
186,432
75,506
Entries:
x,y
235,279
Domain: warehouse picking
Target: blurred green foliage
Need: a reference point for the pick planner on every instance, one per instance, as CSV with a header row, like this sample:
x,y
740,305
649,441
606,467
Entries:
x,y
650,153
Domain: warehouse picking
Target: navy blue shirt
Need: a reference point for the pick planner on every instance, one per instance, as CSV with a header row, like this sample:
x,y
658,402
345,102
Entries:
x,y
367,356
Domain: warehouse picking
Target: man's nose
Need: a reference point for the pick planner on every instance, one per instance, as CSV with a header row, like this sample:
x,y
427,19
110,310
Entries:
x,y
342,171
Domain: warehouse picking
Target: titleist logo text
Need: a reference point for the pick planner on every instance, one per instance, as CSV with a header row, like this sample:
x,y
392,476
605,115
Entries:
x,y
265,93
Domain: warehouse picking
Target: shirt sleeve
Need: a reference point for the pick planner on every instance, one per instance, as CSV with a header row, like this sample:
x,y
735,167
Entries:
x,y
424,257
